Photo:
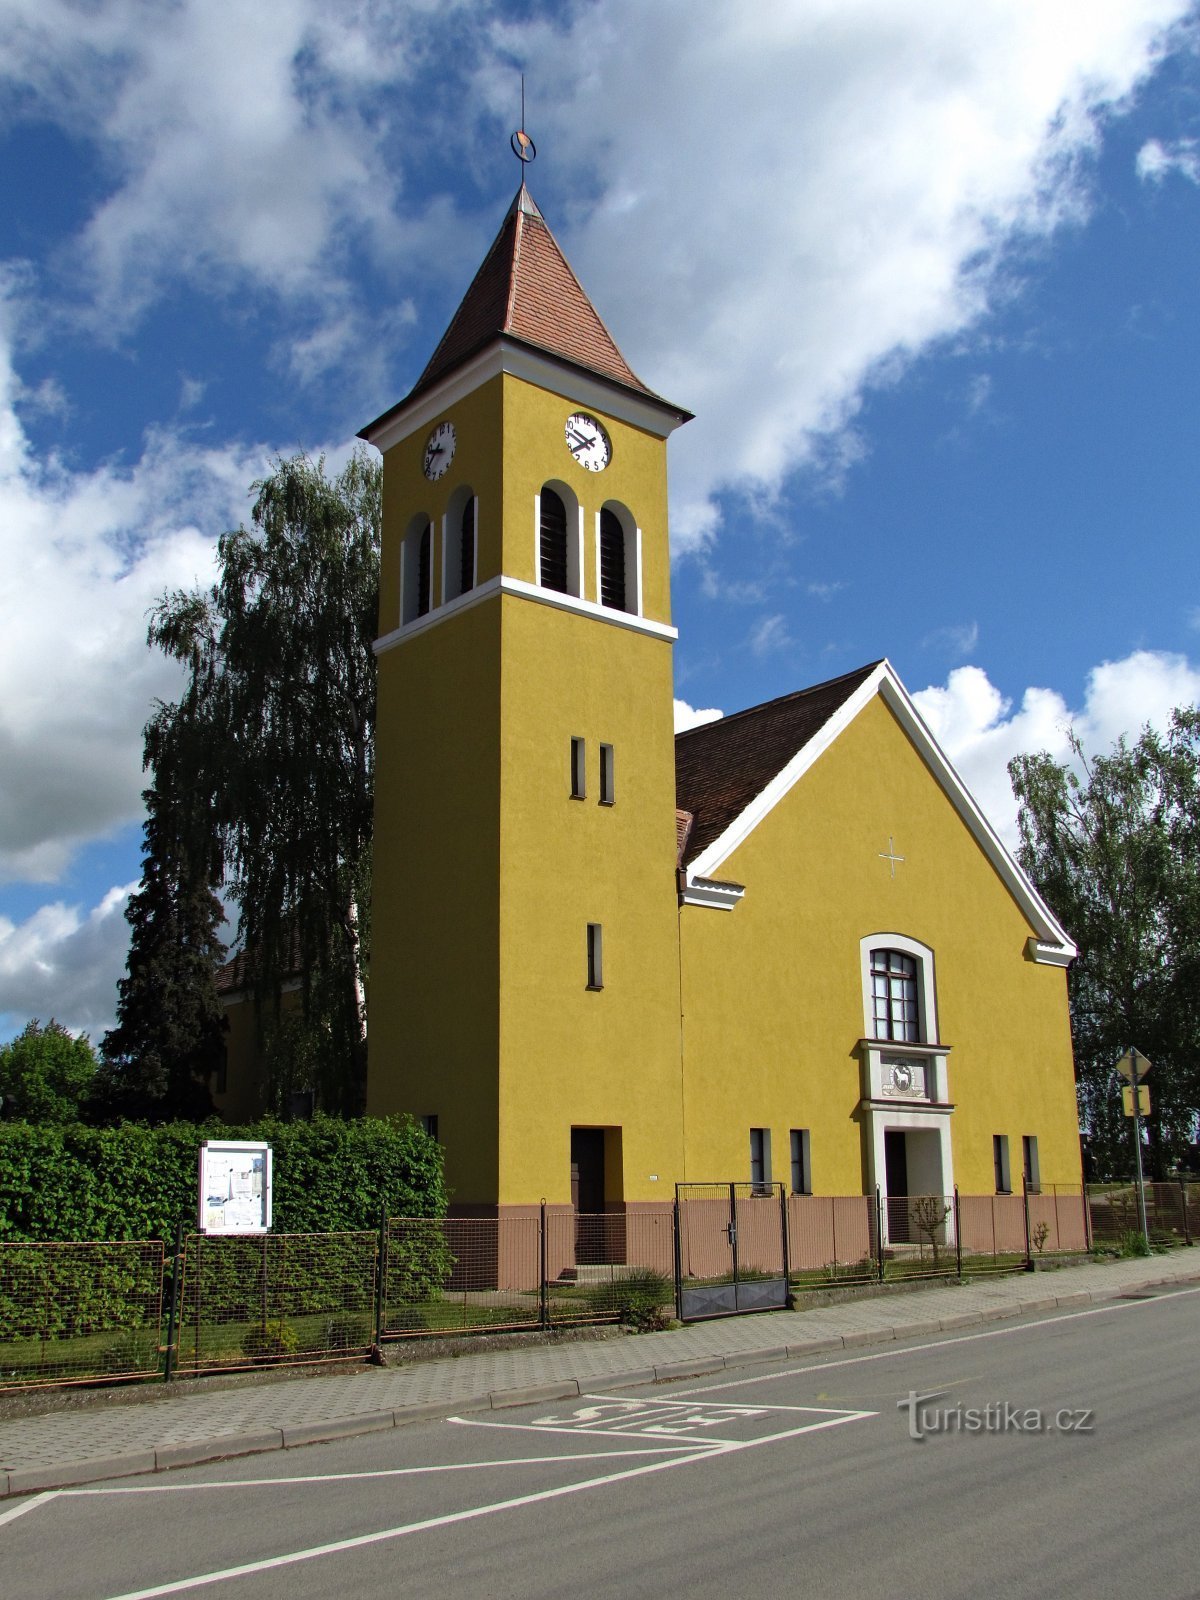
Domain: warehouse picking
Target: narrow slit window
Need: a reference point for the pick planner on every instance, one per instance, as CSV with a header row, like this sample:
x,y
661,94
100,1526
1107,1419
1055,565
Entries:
x,y
578,769
595,956
1029,1163
608,791
1000,1163
429,1123
801,1170
760,1157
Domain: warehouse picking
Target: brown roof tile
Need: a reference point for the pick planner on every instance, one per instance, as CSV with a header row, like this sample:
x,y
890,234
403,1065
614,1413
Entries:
x,y
525,289
722,766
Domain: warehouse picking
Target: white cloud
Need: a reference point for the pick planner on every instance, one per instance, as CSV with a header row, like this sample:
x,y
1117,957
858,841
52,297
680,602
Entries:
x,y
85,556
770,635
1155,160
816,192
980,731
956,639
64,962
687,716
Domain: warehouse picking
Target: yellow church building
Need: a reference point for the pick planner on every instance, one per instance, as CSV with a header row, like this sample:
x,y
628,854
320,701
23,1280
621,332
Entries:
x,y
606,959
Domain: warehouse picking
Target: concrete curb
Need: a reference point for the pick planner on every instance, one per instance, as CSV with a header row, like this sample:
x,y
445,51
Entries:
x,y
68,1474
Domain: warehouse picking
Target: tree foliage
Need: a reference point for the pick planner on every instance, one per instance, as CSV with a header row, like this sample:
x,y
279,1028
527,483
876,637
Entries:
x,y
1115,849
168,1042
272,737
46,1073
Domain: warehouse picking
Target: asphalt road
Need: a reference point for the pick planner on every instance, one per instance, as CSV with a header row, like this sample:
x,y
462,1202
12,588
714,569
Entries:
x,y
792,1481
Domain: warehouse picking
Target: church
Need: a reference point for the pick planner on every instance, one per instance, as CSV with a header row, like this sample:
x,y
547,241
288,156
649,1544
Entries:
x,y
785,946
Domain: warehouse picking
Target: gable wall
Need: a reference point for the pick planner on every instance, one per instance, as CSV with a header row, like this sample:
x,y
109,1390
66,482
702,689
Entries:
x,y
773,992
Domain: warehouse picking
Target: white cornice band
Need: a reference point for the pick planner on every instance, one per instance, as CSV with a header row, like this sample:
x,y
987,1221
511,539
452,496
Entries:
x,y
518,588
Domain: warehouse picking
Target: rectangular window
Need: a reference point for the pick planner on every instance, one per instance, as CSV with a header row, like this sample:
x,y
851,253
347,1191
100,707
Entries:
x,y
1029,1163
801,1171
760,1157
595,956
1000,1163
429,1124
578,769
608,792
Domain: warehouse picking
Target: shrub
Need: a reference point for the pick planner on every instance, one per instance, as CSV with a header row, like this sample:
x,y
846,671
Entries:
x,y
270,1341
637,1300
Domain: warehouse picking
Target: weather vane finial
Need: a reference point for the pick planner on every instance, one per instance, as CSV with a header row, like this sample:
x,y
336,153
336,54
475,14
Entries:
x,y
523,146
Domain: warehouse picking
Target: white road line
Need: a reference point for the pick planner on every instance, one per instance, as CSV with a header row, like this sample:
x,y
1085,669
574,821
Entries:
x,y
362,1541
935,1344
351,1477
592,1433
20,1509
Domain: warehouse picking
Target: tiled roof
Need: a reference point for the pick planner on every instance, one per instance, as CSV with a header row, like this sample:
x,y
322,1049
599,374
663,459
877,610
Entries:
x,y
722,766
239,973
683,827
525,289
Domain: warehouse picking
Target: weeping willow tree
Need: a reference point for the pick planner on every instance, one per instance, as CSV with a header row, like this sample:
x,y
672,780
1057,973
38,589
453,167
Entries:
x,y
271,741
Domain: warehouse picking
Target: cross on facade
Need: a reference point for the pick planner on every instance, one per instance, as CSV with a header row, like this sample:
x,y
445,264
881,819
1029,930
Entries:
x,y
890,855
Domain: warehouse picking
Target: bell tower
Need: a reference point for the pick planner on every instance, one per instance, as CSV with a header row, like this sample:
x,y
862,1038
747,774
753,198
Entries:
x,y
524,988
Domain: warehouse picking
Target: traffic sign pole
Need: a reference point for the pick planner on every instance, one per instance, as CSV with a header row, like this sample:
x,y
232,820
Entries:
x,y
1140,1066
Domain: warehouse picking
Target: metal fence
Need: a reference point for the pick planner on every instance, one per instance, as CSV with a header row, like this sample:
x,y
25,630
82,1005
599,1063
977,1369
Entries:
x,y
73,1313
1172,1212
106,1312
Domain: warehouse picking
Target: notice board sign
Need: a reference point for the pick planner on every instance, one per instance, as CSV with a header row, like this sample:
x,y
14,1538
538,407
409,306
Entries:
x,y
235,1186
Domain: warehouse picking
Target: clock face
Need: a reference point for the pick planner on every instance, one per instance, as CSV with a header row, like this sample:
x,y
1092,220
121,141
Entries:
x,y
439,450
588,442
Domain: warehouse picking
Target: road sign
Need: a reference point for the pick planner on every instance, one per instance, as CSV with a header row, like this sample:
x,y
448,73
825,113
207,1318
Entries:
x,y
1133,1066
1128,1090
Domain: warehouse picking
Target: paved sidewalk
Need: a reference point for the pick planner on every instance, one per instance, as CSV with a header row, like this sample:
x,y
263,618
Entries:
x,y
106,1441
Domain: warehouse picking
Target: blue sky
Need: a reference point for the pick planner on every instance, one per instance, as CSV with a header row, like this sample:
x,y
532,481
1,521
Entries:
x,y
926,275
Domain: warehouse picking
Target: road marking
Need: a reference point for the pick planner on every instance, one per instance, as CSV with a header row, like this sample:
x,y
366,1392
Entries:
x,y
606,1433
27,1505
617,1417
938,1344
362,1541
350,1477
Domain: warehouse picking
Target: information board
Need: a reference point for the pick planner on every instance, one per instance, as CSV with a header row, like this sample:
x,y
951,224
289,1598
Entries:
x,y
235,1186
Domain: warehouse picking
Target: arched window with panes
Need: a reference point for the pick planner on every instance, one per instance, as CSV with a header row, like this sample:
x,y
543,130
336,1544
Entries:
x,y
895,1004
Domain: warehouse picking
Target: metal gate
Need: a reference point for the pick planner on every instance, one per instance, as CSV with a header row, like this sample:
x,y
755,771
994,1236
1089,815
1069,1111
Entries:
x,y
730,1249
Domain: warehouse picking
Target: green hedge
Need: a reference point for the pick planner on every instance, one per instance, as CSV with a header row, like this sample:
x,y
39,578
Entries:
x,y
72,1182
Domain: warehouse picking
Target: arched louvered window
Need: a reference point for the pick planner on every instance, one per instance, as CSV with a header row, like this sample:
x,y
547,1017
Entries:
x,y
612,561
552,533
466,548
424,569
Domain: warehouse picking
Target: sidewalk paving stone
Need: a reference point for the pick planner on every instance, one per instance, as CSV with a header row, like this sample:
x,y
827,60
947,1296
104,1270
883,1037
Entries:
x,y
100,1440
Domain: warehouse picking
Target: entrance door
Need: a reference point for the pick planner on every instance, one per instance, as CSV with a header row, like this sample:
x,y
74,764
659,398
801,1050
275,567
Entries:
x,y
895,1163
587,1191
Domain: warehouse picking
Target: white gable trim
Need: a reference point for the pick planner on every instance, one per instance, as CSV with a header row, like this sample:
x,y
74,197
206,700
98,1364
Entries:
x,y
560,377
1052,946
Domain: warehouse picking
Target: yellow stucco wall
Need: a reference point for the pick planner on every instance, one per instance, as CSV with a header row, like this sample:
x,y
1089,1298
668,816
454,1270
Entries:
x,y
570,1055
432,1001
486,872
773,993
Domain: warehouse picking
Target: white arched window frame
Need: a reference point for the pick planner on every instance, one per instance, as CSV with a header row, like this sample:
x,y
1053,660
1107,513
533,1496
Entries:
x,y
633,556
452,530
574,513
410,567
905,1088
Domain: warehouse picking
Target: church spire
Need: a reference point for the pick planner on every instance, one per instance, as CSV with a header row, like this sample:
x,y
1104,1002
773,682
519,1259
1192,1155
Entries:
x,y
526,290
